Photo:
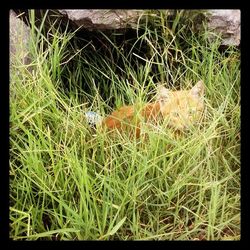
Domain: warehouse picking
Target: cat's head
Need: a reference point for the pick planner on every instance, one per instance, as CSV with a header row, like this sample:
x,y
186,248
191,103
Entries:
x,y
183,108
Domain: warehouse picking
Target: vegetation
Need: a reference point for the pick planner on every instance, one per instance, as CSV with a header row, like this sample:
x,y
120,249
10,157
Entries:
x,y
70,182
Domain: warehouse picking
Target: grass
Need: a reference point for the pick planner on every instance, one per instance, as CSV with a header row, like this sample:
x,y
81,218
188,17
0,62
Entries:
x,y
68,182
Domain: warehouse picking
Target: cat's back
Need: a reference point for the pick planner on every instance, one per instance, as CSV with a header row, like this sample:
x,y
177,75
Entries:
x,y
131,114
115,118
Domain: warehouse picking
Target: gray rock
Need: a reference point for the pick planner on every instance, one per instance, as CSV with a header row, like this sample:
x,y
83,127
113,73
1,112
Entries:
x,y
19,37
103,19
226,22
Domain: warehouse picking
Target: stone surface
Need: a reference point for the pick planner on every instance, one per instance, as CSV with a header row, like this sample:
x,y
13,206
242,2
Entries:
x,y
19,37
226,22
103,19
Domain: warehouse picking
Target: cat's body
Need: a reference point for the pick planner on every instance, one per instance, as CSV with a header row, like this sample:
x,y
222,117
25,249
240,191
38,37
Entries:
x,y
181,109
127,118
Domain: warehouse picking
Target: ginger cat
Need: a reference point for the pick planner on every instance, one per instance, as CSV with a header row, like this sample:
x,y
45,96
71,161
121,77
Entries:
x,y
180,109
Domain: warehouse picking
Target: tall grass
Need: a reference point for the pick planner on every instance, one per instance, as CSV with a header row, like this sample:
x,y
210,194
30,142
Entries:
x,y
68,181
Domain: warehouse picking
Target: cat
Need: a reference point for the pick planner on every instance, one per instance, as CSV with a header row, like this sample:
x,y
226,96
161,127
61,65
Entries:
x,y
180,110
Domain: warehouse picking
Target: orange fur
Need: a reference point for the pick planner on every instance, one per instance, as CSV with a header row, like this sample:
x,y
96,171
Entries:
x,y
182,109
125,119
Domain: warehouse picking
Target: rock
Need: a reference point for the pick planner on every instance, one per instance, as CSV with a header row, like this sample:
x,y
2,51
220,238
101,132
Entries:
x,y
19,40
226,22
103,19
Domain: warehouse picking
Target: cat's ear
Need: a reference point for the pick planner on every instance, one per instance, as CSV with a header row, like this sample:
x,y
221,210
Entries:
x,y
162,94
198,89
